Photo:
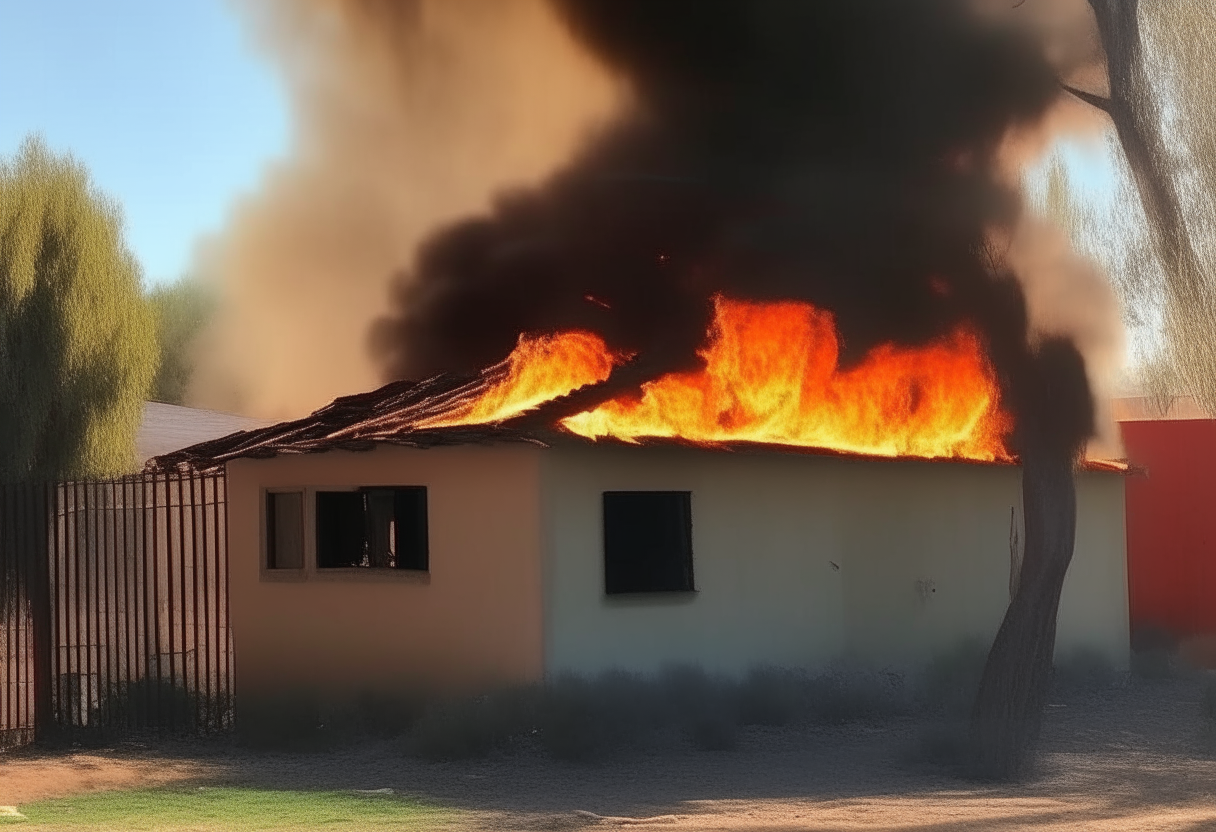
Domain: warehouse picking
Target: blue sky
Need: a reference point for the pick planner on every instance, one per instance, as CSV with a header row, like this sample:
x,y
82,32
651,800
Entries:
x,y
165,101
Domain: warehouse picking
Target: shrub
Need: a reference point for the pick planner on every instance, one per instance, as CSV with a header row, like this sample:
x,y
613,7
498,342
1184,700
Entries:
x,y
943,744
771,696
1085,669
951,679
1207,697
1154,652
292,721
848,696
469,728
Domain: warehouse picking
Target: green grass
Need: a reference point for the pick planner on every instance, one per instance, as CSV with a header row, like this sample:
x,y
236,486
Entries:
x,y
229,808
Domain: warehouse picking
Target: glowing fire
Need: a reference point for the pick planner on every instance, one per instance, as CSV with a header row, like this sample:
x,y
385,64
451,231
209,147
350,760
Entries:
x,y
539,369
771,375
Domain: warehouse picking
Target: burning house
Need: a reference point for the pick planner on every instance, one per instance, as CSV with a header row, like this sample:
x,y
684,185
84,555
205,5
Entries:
x,y
531,520
791,376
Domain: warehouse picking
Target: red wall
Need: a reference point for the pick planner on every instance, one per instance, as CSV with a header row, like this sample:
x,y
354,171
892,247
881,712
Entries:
x,y
1171,525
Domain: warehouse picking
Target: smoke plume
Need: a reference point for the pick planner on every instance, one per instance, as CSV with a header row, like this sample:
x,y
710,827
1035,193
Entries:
x,y
407,115
845,153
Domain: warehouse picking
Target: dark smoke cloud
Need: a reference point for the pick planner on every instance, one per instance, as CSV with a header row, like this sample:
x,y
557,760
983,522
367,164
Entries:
x,y
844,153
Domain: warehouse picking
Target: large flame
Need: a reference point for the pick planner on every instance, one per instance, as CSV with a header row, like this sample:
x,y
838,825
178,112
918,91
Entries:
x,y
772,375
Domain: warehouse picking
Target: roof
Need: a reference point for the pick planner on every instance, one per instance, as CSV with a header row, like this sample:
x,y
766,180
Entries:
x,y
390,414
168,427
393,414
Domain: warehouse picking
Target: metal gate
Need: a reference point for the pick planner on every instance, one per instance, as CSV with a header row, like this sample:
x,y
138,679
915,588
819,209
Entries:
x,y
118,591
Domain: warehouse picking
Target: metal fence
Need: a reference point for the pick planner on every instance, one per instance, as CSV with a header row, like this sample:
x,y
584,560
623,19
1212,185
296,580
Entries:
x,y
118,591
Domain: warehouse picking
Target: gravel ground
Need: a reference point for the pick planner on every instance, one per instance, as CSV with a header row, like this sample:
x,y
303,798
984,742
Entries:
x,y
1135,757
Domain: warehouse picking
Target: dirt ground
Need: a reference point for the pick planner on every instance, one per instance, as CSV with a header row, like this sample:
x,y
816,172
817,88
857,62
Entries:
x,y
1136,757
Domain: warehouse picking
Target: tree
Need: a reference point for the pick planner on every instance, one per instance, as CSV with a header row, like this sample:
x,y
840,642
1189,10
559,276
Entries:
x,y
77,339
1169,141
1174,172
182,311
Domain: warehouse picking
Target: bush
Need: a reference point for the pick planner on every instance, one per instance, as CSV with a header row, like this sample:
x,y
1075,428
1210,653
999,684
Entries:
x,y
951,680
943,744
849,696
292,721
1154,653
1084,669
304,720
705,707
1207,697
771,696
470,728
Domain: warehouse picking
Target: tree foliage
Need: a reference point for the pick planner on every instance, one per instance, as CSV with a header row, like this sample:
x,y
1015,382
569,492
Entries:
x,y
77,338
182,310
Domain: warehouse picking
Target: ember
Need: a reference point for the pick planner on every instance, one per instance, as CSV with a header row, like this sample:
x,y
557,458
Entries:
x,y
772,375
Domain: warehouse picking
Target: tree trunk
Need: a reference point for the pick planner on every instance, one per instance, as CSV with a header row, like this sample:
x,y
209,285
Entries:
x,y
1009,707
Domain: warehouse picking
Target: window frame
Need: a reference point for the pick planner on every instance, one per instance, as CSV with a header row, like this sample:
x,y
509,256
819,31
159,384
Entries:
x,y
339,574
280,573
689,556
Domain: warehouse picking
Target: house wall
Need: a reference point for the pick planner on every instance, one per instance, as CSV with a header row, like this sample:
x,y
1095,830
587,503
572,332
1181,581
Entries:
x,y
800,560
473,620
1171,540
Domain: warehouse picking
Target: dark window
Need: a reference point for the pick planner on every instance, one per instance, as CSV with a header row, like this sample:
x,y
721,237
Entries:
x,y
285,530
647,541
379,528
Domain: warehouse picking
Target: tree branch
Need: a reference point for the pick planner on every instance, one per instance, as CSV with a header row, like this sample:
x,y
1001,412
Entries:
x,y
1098,101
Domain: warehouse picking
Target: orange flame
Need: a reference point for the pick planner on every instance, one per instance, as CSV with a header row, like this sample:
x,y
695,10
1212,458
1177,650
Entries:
x,y
772,375
539,369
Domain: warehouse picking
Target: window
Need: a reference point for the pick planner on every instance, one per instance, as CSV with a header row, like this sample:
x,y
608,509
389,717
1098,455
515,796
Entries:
x,y
647,541
376,528
285,530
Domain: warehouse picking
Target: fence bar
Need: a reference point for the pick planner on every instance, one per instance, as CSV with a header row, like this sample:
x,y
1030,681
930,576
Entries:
x,y
123,574
25,542
206,691
8,574
187,612
195,619
145,559
58,592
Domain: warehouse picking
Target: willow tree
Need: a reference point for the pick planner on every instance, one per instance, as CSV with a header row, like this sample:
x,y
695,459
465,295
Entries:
x,y
78,348
182,310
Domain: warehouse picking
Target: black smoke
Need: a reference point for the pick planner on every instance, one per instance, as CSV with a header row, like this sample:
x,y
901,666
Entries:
x,y
843,152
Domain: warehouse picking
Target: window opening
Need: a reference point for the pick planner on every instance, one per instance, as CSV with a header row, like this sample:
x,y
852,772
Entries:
x,y
285,530
372,528
647,541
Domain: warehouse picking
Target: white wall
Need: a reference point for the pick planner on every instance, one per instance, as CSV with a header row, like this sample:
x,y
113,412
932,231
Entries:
x,y
921,555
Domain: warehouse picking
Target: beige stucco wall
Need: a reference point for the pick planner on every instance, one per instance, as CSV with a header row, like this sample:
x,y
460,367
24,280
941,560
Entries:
x,y
800,560
1093,607
474,620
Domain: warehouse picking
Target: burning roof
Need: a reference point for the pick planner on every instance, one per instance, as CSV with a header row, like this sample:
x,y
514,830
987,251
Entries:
x,y
771,374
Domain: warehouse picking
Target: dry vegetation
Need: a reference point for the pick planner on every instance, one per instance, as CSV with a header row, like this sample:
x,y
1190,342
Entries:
x,y
776,751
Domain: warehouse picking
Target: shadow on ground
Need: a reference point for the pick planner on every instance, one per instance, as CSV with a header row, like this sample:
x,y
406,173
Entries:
x,y
1135,756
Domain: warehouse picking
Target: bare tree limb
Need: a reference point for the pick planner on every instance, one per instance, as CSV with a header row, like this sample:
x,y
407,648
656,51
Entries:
x,y
1101,102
